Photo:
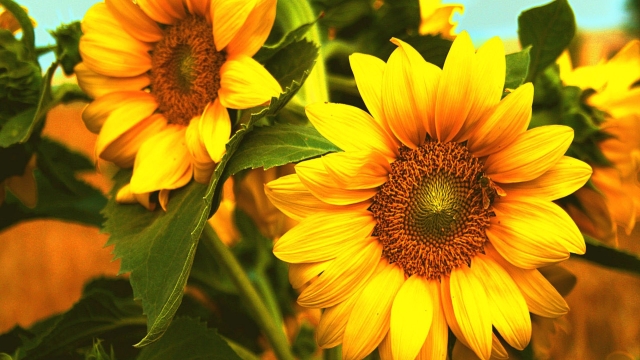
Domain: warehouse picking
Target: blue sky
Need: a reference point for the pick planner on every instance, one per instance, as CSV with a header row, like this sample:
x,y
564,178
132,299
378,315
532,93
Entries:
x,y
483,19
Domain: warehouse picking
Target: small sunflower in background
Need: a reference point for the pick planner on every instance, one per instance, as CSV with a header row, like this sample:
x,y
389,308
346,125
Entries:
x,y
437,213
437,18
163,74
611,87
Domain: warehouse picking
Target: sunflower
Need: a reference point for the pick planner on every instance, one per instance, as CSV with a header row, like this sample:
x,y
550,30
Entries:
x,y
437,18
163,74
436,215
614,90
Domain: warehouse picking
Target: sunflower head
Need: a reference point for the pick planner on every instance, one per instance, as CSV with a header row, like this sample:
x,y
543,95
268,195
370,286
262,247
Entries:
x,y
436,215
610,94
163,74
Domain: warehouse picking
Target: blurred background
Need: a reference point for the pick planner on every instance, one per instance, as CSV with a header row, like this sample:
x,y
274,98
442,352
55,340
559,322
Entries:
x,y
39,276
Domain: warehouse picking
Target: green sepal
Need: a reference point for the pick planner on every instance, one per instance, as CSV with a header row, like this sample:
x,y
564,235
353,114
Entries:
x,y
548,29
98,352
67,38
189,339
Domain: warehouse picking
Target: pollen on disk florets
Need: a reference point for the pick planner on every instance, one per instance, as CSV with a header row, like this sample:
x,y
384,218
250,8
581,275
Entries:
x,y
429,215
185,72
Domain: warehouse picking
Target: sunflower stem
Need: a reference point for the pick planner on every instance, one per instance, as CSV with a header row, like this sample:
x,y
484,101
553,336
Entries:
x,y
267,324
297,13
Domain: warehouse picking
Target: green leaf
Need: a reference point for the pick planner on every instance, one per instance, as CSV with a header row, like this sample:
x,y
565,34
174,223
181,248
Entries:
x,y
106,310
517,68
277,145
157,248
61,194
548,29
345,13
267,52
189,339
67,38
612,258
21,128
292,61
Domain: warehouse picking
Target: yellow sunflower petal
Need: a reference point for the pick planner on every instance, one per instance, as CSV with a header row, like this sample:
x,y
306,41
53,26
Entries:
x,y
163,11
533,233
255,30
200,8
291,197
369,320
128,114
368,71
244,83
338,123
163,198
398,103
314,176
96,85
454,97
504,123
470,303
530,155
411,315
163,162
487,81
108,49
203,165
562,179
333,322
323,236
134,20
126,196
97,112
122,149
228,17
509,312
541,297
351,269
300,274
423,79
435,345
357,169
215,129
384,349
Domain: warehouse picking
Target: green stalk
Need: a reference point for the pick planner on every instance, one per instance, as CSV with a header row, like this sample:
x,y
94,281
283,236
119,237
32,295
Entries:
x,y
267,324
28,36
294,14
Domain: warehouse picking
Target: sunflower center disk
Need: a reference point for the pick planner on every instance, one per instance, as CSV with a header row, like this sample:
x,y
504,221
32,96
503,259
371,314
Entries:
x,y
185,71
430,214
